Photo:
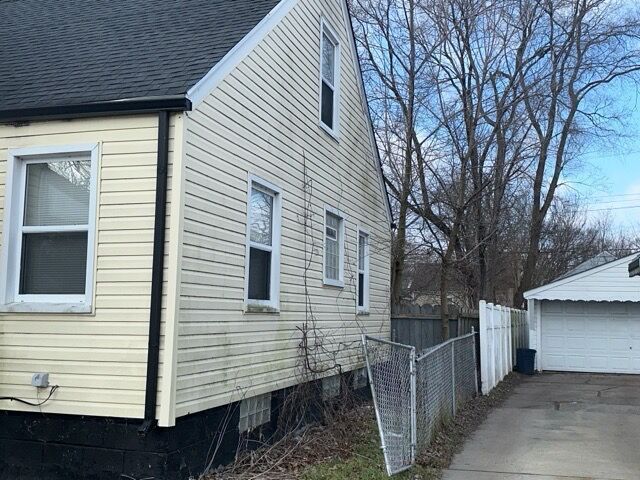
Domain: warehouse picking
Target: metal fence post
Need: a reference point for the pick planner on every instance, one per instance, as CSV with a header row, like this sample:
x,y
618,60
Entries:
x,y
414,426
453,377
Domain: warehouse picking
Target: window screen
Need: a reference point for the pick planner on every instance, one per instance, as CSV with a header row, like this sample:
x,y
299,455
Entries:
x,y
261,208
57,193
55,228
328,68
363,269
326,113
261,217
332,247
259,274
328,59
53,263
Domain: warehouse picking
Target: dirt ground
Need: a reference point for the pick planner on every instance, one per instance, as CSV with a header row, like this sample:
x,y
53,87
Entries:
x,y
348,446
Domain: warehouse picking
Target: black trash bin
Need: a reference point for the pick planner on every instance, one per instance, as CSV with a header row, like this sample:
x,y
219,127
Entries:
x,y
526,361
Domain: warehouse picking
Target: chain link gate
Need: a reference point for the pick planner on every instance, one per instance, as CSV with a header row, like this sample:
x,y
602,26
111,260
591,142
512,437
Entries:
x,y
413,396
391,373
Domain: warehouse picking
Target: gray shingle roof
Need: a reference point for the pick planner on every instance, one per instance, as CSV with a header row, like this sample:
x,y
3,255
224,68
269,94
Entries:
x,y
69,52
601,259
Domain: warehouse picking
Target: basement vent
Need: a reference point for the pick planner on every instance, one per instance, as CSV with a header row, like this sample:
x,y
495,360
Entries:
x,y
359,378
330,387
254,411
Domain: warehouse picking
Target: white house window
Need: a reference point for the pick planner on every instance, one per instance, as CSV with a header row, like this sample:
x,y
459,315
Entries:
x,y
55,227
333,248
363,271
329,78
49,229
263,244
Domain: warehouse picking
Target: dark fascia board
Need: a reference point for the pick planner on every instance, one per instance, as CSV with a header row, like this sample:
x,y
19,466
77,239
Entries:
x,y
634,267
112,107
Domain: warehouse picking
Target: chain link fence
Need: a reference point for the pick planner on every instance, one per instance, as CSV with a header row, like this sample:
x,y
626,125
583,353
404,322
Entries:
x,y
413,395
390,367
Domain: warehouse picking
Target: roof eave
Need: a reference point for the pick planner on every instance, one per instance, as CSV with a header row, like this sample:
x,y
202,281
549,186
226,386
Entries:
x,y
126,106
538,293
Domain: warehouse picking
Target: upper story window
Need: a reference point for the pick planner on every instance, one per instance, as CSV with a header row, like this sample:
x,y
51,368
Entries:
x,y
329,78
263,245
334,248
49,229
363,271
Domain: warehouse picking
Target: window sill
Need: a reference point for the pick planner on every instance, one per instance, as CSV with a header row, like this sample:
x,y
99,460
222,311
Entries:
x,y
44,307
363,313
332,133
256,308
327,282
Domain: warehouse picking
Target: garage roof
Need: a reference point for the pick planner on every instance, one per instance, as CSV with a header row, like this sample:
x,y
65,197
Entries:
x,y
609,282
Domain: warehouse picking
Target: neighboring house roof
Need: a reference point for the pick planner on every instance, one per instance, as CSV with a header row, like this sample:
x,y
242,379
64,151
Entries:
x,y
600,259
608,282
60,53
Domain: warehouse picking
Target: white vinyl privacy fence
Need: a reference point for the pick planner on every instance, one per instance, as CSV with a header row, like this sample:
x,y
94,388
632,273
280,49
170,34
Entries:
x,y
413,394
502,331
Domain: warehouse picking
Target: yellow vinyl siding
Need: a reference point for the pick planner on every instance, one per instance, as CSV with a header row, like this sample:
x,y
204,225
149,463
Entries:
x,y
98,359
263,119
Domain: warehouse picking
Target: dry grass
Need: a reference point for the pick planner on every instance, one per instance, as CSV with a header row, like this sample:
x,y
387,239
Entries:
x,y
348,446
315,444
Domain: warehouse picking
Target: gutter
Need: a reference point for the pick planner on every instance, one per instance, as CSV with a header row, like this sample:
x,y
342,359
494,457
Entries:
x,y
157,272
128,106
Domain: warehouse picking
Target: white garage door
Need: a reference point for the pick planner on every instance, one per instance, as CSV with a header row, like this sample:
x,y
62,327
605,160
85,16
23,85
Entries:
x,y
590,336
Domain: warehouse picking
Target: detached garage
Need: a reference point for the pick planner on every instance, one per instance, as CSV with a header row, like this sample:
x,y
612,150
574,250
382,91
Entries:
x,y
589,319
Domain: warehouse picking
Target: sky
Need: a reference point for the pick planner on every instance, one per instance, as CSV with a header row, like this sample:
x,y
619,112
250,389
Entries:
x,y
611,182
621,195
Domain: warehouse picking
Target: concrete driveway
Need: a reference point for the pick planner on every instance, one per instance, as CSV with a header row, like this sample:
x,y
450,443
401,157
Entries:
x,y
558,426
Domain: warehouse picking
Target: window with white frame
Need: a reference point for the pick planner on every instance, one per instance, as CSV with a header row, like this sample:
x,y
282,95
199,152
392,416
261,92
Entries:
x,y
333,248
263,244
49,228
363,271
329,78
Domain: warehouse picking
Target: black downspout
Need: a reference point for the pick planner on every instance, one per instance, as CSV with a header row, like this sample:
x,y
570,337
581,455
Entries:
x,y
153,352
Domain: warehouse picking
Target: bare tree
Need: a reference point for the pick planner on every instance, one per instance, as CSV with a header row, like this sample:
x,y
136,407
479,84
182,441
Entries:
x,y
387,35
583,46
480,107
441,103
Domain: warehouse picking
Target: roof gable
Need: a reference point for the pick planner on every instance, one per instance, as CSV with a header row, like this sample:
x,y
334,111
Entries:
x,y
605,283
85,51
